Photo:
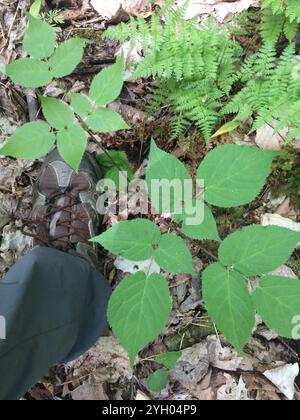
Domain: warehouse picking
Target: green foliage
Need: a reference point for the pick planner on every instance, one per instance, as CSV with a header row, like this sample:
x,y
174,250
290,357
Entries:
x,y
229,303
112,163
41,32
138,310
271,90
29,72
277,300
258,249
157,380
206,230
35,8
68,124
106,120
23,143
168,359
234,175
45,61
193,67
53,17
252,251
71,144
66,57
81,104
57,113
163,166
280,16
140,239
107,85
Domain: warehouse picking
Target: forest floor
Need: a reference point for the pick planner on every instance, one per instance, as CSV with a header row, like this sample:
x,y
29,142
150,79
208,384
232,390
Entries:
x,y
209,368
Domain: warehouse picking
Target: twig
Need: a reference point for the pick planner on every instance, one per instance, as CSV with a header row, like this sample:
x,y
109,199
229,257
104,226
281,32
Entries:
x,y
32,103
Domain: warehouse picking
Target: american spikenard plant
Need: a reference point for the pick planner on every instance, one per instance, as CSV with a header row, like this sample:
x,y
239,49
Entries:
x,y
140,306
229,176
66,125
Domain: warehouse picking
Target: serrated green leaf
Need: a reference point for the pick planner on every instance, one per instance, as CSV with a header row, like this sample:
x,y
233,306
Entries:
x,y
67,57
167,169
57,113
113,163
106,120
226,128
229,304
138,310
277,300
35,8
71,144
134,239
207,230
234,175
29,72
168,359
39,39
257,249
157,380
31,141
107,85
173,255
81,104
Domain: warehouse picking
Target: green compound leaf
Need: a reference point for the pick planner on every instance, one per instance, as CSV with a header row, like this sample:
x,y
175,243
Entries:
x,y
39,40
229,304
29,72
113,163
107,85
139,310
106,120
31,141
157,381
134,239
166,177
168,359
207,230
234,175
57,113
140,239
277,300
257,249
71,144
67,57
81,104
173,255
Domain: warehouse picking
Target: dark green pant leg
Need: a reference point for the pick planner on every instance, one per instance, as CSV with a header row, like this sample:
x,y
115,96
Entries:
x,y
54,305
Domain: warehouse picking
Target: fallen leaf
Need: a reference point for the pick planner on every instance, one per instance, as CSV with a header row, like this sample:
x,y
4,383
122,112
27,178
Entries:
x,y
140,396
277,220
267,138
233,390
284,378
226,358
107,361
220,10
192,366
109,9
90,391
127,266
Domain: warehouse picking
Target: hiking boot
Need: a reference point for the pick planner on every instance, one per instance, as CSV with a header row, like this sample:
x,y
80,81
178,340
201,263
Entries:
x,y
64,206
